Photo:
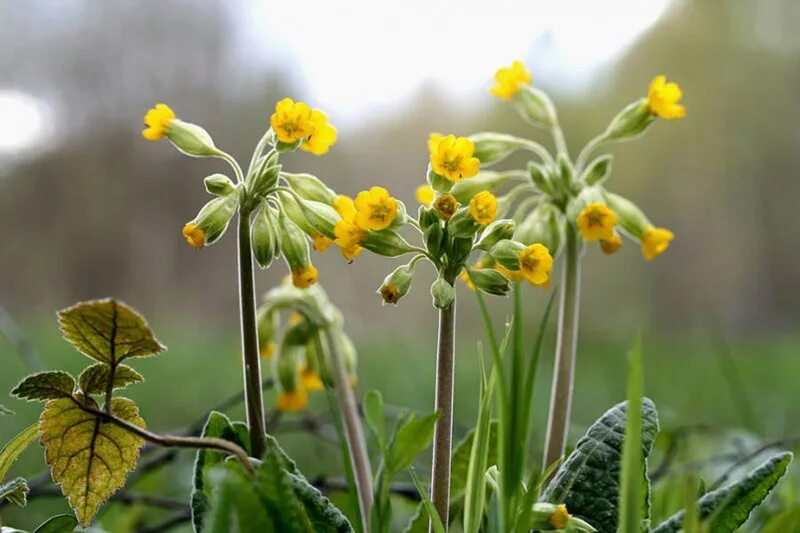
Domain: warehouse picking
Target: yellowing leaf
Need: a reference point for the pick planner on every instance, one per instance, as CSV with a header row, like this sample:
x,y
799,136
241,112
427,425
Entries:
x,y
89,458
45,386
107,331
93,380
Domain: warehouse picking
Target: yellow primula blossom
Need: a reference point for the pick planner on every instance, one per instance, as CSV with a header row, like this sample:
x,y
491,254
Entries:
x,y
483,208
508,80
425,194
560,517
611,245
535,264
375,209
510,275
663,98
323,136
389,293
268,350
305,277
655,241
294,400
194,235
292,121
596,221
349,238
310,380
321,242
446,206
157,121
346,208
452,157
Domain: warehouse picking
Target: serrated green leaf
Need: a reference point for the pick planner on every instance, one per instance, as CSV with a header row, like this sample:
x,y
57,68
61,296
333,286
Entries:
x,y
588,481
324,516
15,447
15,491
727,508
276,492
62,523
45,386
235,506
94,379
411,438
89,458
107,331
373,414
5,412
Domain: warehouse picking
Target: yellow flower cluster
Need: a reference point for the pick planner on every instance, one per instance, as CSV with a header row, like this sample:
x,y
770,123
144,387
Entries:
x,y
508,80
453,157
372,210
296,121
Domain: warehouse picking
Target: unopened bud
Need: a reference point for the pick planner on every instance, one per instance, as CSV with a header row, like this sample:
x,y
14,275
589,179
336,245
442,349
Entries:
x,y
268,322
544,224
445,206
535,106
506,253
631,122
494,232
191,139
264,238
315,218
294,246
264,175
396,284
386,242
309,187
219,185
462,224
443,293
489,281
211,222
493,147
598,171
485,181
540,177
629,216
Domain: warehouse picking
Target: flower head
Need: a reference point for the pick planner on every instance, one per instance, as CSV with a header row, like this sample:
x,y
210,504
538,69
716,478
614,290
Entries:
x,y
446,206
321,242
663,97
655,241
349,238
611,245
323,136
510,275
157,121
535,264
304,277
375,209
560,517
508,80
292,121
294,400
346,208
483,208
310,380
425,194
389,293
452,157
194,235
596,221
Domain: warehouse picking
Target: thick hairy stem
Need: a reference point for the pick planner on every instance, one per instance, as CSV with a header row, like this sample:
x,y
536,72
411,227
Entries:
x,y
250,355
443,433
566,345
353,430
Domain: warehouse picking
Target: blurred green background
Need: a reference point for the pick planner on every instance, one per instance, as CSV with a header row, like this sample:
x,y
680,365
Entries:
x,y
89,209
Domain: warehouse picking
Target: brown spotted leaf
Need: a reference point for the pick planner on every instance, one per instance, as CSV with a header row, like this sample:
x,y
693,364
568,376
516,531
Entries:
x,y
89,458
94,379
107,331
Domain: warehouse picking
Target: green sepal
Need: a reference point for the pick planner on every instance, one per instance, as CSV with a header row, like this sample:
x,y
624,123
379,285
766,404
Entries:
x,y
437,182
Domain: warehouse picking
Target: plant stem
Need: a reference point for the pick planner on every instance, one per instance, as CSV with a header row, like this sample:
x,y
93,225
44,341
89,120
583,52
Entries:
x,y
566,345
353,431
443,433
250,355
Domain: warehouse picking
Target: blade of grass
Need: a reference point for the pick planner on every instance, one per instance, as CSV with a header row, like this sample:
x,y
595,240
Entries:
x,y
436,522
631,491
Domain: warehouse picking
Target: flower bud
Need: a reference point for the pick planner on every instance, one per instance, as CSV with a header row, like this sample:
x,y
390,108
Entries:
x,y
211,222
268,321
489,281
309,187
387,242
612,244
566,173
598,171
506,253
292,396
265,175
460,248
445,206
465,190
629,216
550,517
264,236
496,231
631,122
191,139
294,246
434,239
396,284
540,177
462,224
493,147
315,218
535,106
219,185
543,224
426,217
443,293
292,209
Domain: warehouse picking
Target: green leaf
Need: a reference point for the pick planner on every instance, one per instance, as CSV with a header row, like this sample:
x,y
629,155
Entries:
x,y
234,505
411,438
634,483
107,331
436,520
62,523
45,386
5,412
461,457
94,379
278,495
588,481
90,458
324,516
727,508
15,491
15,447
373,413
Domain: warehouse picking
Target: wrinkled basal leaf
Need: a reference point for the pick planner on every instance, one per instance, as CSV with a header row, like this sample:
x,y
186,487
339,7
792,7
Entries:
x,y
15,491
15,447
589,480
94,379
90,458
107,331
45,386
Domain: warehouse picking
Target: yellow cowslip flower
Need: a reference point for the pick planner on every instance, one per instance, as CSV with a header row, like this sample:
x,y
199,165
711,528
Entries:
x,y
305,277
321,242
446,206
452,157
268,350
483,208
389,293
433,141
466,279
425,194
349,238
663,97
194,235
157,121
596,221
346,208
310,380
611,245
560,517
508,80
510,275
655,241
323,137
292,121
375,209
535,264
294,400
